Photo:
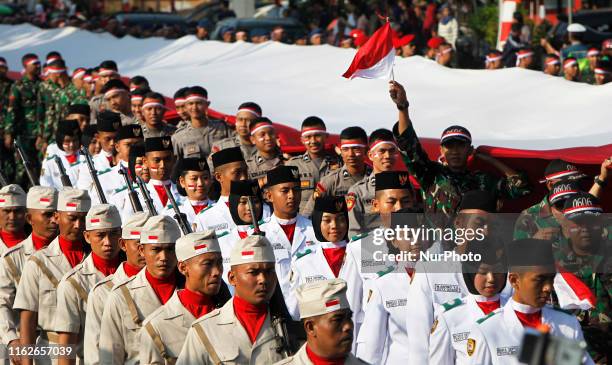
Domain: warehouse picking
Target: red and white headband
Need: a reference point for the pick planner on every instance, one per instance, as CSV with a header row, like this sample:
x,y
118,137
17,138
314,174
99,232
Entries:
x,y
195,97
78,74
348,143
30,61
312,130
521,55
552,62
569,63
55,70
448,135
250,110
601,71
259,126
380,143
153,104
88,78
106,72
179,101
53,58
447,50
584,208
493,58
113,91
560,174
136,98
593,52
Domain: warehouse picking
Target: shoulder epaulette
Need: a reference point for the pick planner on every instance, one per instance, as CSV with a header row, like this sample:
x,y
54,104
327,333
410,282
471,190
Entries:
x,y
262,221
359,236
224,233
385,271
75,163
49,158
207,208
102,282
302,254
479,321
118,190
124,282
104,171
452,304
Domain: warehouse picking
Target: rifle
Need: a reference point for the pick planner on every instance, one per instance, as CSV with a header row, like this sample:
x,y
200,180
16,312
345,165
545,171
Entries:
x,y
256,230
24,160
146,196
94,175
180,217
136,206
63,176
3,182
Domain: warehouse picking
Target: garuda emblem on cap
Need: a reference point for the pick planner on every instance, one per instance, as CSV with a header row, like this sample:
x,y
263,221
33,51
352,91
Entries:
x,y
136,131
403,179
202,164
116,125
166,143
295,173
254,189
339,205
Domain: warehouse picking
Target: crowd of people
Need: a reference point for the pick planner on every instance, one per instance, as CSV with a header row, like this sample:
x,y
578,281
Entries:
x,y
127,239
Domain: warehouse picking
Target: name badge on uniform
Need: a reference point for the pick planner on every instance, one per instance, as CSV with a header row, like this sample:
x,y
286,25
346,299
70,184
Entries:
x,y
312,279
392,303
305,184
192,149
218,227
461,336
507,351
447,288
281,254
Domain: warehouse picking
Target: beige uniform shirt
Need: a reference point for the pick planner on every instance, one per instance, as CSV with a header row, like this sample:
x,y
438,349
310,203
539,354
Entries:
x,y
166,130
336,183
192,142
128,119
95,307
170,324
11,268
301,358
72,295
37,291
359,203
311,172
96,104
248,150
127,306
229,340
259,165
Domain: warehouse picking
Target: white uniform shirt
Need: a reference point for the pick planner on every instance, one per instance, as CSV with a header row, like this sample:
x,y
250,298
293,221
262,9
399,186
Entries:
x,y
496,339
312,266
101,164
50,174
383,335
284,251
449,334
185,206
111,182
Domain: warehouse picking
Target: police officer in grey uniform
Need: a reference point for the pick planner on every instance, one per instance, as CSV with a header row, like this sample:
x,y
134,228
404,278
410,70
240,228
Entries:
x,y
268,155
383,152
353,143
316,162
117,99
153,109
196,139
247,112
106,71
181,109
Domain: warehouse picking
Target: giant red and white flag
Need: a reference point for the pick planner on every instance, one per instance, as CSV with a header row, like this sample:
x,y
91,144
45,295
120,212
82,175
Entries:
x,y
374,60
572,292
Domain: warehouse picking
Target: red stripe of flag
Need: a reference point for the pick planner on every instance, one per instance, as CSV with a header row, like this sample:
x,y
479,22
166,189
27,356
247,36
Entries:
x,y
199,247
373,51
331,303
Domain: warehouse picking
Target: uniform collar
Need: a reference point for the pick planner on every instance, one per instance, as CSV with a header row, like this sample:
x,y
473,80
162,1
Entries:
x,y
284,222
333,245
545,209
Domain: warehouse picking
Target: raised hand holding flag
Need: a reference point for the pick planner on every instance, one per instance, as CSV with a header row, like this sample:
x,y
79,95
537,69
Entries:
x,y
374,60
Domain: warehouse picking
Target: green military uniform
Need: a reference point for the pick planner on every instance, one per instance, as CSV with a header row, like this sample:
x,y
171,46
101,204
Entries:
x,y
596,272
57,100
24,118
587,76
442,188
535,218
7,162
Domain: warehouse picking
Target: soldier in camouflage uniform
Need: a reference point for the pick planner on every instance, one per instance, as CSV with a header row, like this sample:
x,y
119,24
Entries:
x,y
7,162
24,116
541,221
315,163
584,250
442,184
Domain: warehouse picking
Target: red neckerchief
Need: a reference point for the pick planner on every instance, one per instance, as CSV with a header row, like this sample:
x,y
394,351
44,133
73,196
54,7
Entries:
x,y
289,230
106,267
196,303
318,360
71,158
163,288
72,250
161,193
198,208
243,234
251,316
130,270
11,239
410,271
335,258
110,160
40,242
530,319
488,307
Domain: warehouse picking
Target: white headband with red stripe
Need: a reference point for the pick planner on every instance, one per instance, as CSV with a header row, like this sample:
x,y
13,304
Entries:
x,y
569,63
78,73
153,104
493,59
113,91
593,52
348,143
313,130
250,110
260,126
195,97
179,101
106,72
380,143
30,61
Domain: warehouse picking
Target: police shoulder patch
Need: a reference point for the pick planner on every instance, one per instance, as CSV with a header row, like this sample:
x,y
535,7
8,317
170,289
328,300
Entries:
x,y
359,236
299,255
452,304
479,321
471,346
350,201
